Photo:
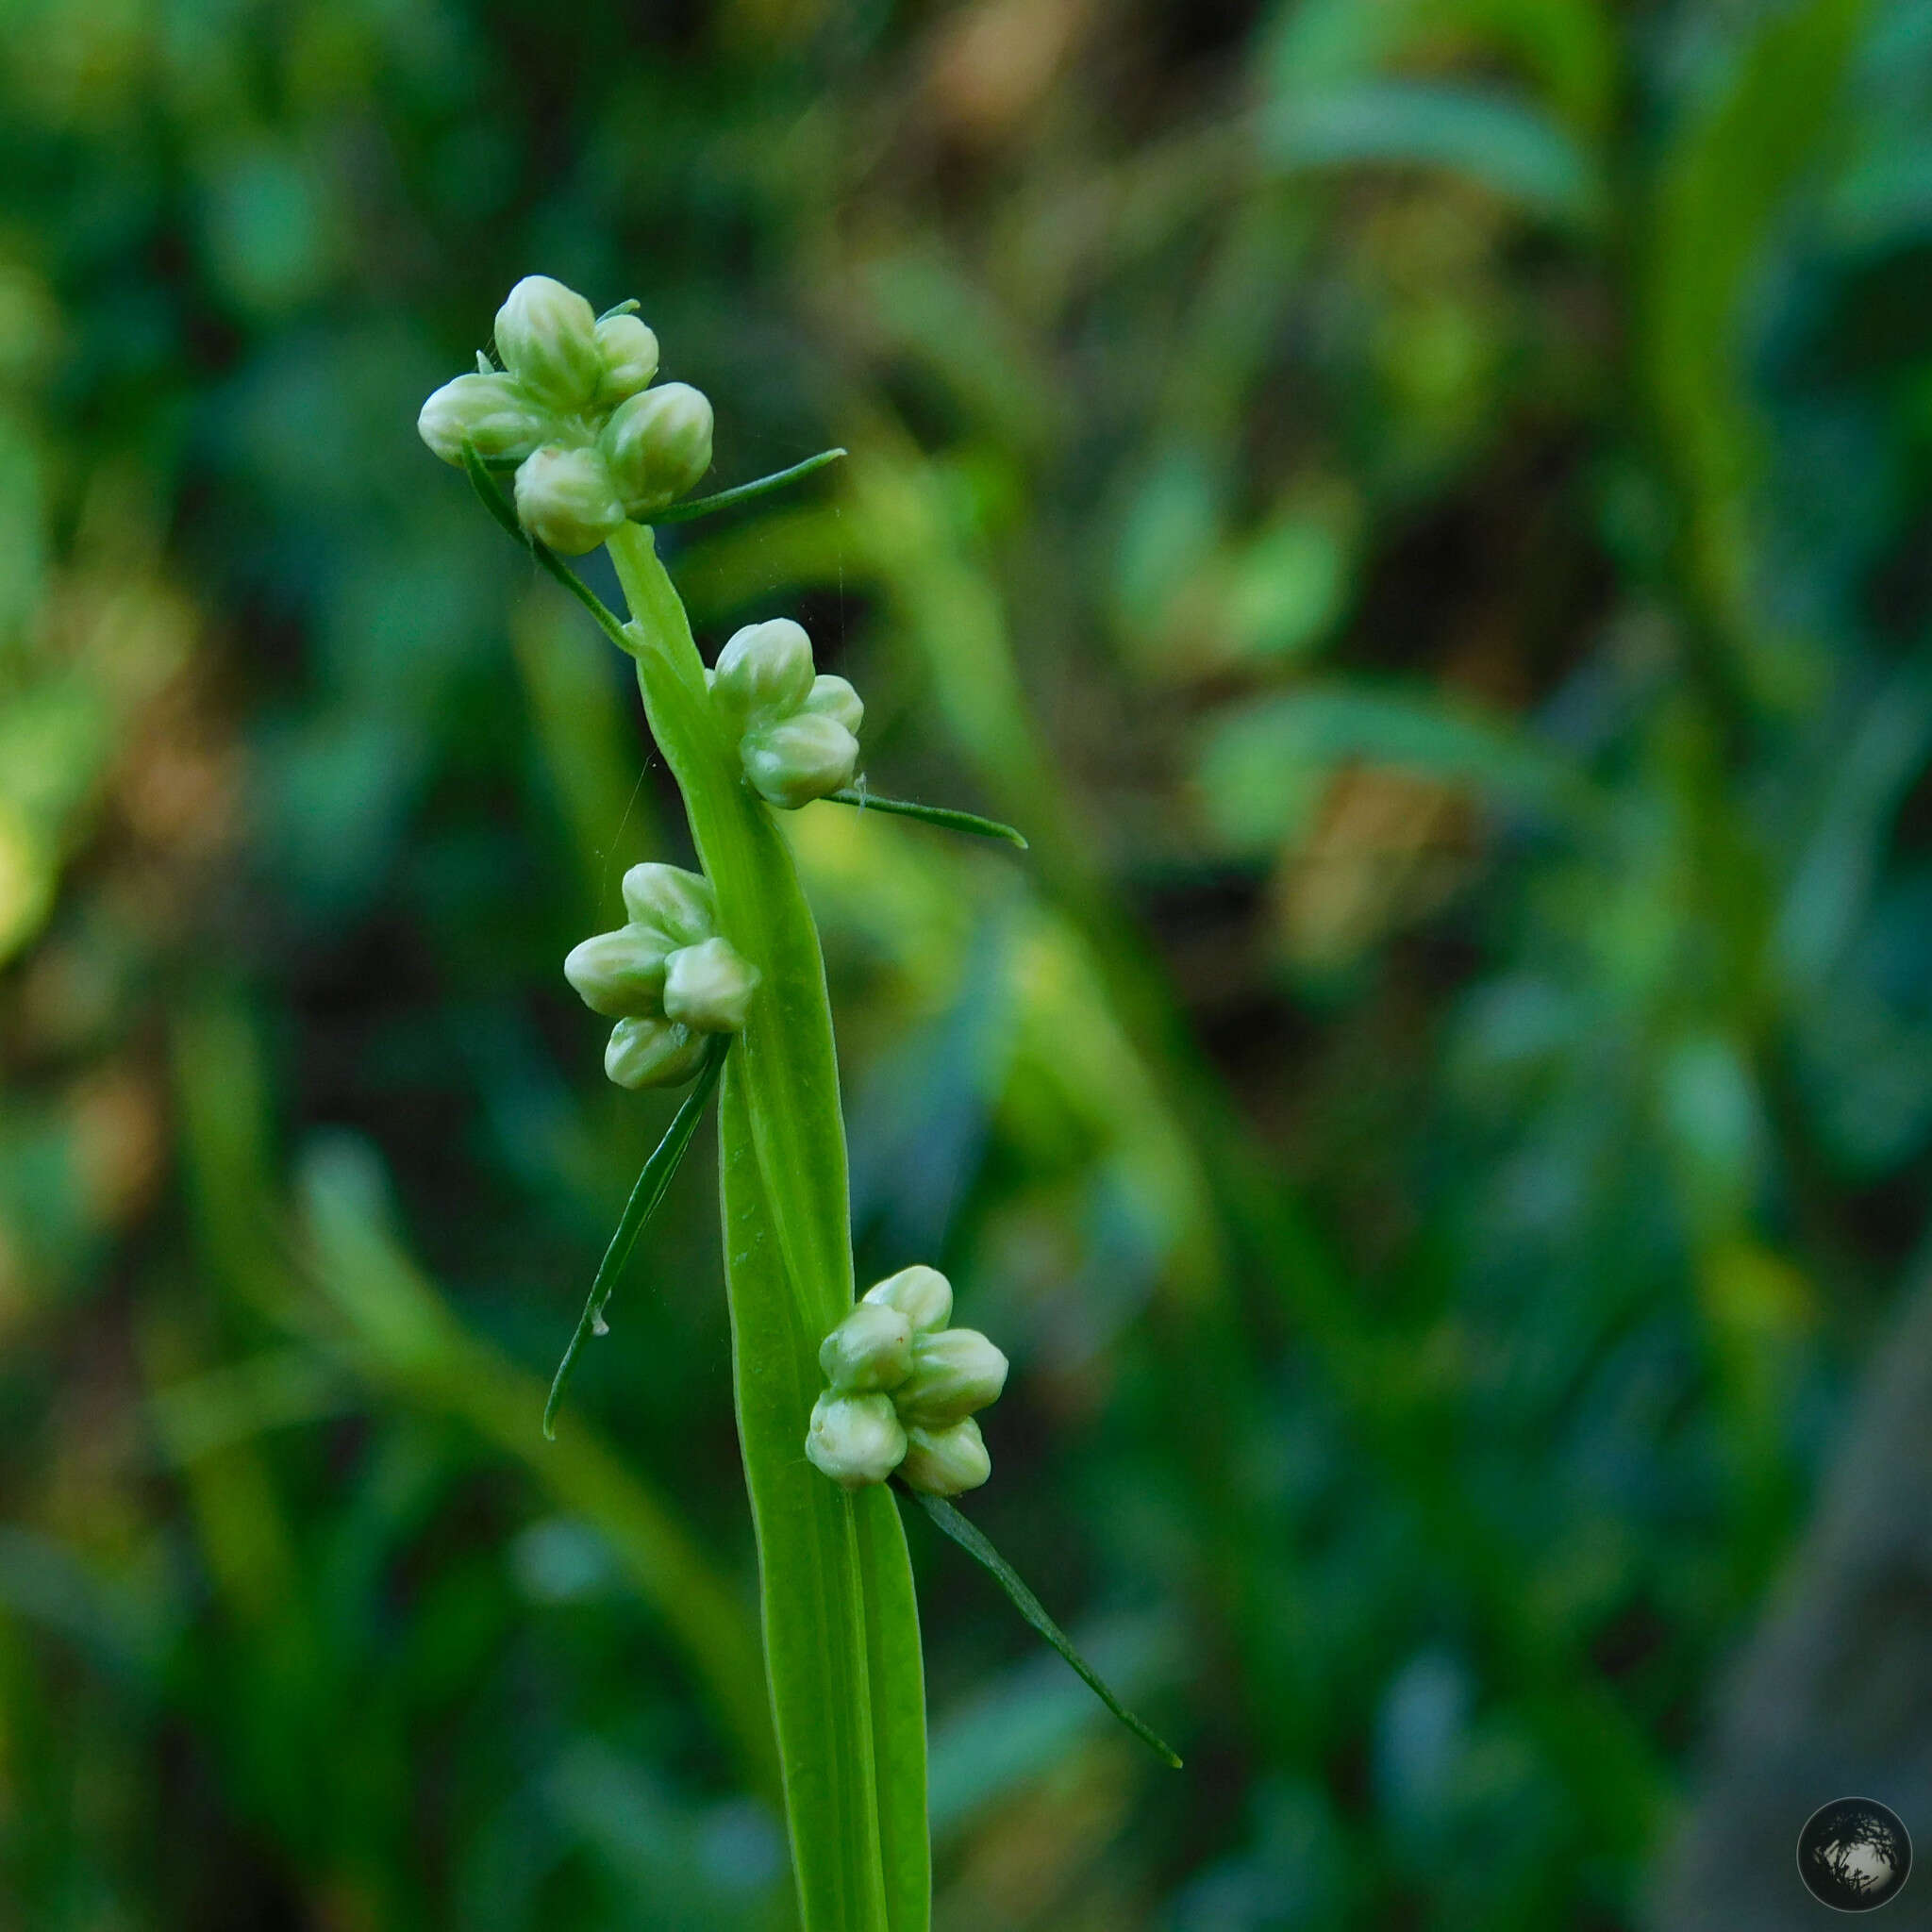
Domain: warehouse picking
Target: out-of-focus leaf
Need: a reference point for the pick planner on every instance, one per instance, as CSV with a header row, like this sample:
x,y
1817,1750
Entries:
x,y
1567,47
1019,1726
1262,767
1722,185
407,1337
1489,138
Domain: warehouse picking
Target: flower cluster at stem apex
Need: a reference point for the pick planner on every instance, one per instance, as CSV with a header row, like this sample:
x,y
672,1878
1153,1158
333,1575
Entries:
x,y
666,978
797,731
574,411
904,1389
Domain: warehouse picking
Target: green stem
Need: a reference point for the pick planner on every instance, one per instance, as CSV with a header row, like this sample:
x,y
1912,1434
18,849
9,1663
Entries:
x,y
840,1625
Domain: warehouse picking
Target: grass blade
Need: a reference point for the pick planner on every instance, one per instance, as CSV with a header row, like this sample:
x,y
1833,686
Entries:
x,y
643,1204
742,493
953,819
500,508
975,1545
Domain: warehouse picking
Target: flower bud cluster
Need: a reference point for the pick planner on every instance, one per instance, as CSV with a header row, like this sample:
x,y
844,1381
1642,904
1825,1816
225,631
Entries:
x,y
667,979
797,732
903,1390
573,411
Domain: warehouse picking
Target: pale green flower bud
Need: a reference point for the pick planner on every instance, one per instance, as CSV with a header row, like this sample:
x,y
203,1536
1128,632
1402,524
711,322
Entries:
x,y
855,1440
547,338
620,973
954,1372
646,1051
804,757
657,445
832,697
564,499
922,1294
709,986
870,1349
946,1462
678,903
765,668
491,412
627,353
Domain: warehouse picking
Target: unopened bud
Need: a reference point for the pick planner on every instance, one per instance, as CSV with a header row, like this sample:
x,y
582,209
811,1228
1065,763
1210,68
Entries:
x,y
657,445
627,356
833,697
763,669
564,499
922,1294
547,338
709,986
489,412
649,1052
954,1372
946,1462
678,903
804,757
870,1349
619,973
855,1440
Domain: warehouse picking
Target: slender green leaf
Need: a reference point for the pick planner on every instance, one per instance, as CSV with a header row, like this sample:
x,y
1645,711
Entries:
x,y
743,492
975,1545
652,1183
945,816
500,508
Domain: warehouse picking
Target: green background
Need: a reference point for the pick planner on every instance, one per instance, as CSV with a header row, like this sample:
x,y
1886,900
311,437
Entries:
x,y
1418,508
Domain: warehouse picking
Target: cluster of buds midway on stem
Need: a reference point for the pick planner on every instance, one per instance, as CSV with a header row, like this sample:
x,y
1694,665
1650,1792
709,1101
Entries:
x,y
573,411
797,730
903,1390
667,979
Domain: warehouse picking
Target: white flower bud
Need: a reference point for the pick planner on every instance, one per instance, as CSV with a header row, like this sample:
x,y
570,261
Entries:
x,y
833,697
709,986
620,973
671,901
855,1440
627,356
765,668
804,757
657,445
646,1051
491,412
547,338
946,1462
564,499
922,1294
954,1372
870,1349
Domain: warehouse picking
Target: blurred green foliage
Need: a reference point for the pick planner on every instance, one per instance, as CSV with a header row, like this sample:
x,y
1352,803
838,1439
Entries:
x,y
1417,509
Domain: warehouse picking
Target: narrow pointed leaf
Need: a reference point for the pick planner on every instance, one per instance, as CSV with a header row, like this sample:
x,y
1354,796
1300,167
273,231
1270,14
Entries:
x,y
947,815
742,493
504,511
643,1204
975,1545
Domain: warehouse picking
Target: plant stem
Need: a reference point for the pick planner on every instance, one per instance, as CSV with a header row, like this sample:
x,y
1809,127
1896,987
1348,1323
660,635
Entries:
x,y
840,1623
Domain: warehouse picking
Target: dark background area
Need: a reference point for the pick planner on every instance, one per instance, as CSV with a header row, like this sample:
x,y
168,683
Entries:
x,y
1419,509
